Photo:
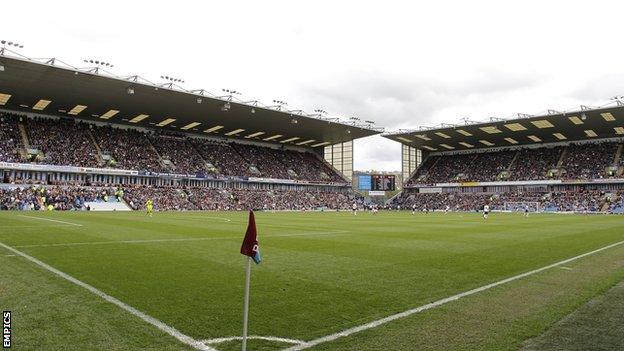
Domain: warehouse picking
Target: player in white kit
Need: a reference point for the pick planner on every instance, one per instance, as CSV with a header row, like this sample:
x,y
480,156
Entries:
x,y
486,211
354,209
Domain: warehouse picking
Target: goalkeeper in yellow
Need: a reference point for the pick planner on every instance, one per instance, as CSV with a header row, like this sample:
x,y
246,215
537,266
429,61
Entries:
x,y
149,205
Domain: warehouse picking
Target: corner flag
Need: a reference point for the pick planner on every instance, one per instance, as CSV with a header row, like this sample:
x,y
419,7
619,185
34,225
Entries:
x,y
250,243
249,249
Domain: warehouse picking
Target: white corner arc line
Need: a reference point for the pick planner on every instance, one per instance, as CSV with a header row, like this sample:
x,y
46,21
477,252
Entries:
x,y
151,320
52,220
435,304
252,337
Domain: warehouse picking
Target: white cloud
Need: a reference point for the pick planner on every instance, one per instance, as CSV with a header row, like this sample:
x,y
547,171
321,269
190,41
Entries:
x,y
399,63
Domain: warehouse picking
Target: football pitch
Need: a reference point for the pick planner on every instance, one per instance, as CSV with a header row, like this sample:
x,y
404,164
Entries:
x,y
328,281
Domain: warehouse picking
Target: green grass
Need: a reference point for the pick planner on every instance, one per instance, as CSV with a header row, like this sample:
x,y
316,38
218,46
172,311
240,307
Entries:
x,y
595,326
322,273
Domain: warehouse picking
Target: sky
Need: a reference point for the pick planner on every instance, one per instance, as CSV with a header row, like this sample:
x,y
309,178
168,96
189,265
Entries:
x,y
402,64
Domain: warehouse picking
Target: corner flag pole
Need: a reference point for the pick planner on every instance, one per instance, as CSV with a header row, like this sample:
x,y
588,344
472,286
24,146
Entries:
x,y
251,250
246,308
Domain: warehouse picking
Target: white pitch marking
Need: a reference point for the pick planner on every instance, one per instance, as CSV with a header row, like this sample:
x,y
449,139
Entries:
x,y
253,337
51,220
35,226
336,232
435,304
567,268
151,320
204,217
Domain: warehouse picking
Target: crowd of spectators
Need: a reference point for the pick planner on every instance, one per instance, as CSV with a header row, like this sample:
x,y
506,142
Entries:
x,y
616,202
225,199
183,157
69,142
50,198
223,157
562,201
128,148
484,167
10,139
36,197
63,142
440,201
580,162
576,201
535,164
164,198
588,161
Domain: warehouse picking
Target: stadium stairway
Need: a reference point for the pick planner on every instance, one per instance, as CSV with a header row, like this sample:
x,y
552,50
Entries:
x,y
618,154
562,158
24,135
97,146
513,161
153,148
199,154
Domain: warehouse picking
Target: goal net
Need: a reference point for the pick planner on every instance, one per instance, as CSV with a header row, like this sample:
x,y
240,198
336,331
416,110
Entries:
x,y
520,206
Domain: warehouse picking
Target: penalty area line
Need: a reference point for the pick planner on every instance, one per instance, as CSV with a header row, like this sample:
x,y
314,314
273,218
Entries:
x,y
382,321
146,318
52,220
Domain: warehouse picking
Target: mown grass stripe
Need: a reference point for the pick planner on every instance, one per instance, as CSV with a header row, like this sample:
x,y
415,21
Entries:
x,y
151,320
382,321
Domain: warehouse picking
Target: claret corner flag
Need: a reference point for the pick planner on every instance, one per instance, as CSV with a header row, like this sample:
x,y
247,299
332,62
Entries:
x,y
250,243
249,249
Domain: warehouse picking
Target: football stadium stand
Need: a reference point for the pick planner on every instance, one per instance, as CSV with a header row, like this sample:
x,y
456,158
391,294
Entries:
x,y
74,138
67,142
559,162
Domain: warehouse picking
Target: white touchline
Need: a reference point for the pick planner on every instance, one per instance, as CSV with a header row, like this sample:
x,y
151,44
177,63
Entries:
x,y
336,232
51,220
434,304
151,320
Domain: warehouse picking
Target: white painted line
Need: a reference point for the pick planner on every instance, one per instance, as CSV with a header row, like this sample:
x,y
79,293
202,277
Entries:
x,y
566,268
51,220
151,320
203,217
36,226
377,323
336,232
252,337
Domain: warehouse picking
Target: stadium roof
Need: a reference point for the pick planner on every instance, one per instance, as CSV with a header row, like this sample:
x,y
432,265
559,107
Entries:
x,y
56,88
583,124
